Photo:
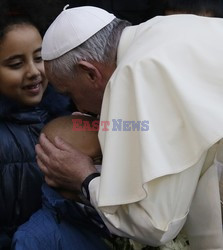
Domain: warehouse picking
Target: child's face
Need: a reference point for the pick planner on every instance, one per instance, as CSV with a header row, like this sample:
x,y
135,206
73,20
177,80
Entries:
x,y
22,76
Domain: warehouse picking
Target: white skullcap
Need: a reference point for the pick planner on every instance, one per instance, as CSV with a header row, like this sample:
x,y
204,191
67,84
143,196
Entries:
x,y
71,28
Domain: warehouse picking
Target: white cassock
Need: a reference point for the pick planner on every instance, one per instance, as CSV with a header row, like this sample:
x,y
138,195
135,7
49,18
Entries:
x,y
154,182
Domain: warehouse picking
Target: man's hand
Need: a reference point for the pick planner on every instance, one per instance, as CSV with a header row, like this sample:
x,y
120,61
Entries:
x,y
63,166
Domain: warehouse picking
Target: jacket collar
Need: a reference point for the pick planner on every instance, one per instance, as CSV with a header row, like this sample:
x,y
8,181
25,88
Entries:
x,y
52,102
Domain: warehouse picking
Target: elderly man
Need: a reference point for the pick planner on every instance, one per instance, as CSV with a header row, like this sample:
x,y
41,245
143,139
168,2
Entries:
x,y
158,88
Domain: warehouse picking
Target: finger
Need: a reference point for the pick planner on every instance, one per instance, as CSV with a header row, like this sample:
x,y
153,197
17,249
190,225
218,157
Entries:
x,y
41,154
48,147
42,167
50,182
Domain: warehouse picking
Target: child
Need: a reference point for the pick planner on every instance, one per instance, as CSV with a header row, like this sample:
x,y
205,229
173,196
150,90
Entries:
x,y
26,104
62,223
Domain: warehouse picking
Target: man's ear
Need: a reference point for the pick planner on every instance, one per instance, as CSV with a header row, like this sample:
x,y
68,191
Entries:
x,y
93,72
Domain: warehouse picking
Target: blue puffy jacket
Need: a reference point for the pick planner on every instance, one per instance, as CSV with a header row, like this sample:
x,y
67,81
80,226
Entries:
x,y
60,225
20,177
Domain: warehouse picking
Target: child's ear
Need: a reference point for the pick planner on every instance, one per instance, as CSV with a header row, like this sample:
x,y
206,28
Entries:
x,y
93,73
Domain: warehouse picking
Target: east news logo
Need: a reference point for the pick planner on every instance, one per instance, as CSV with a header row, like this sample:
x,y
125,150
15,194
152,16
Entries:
x,y
114,125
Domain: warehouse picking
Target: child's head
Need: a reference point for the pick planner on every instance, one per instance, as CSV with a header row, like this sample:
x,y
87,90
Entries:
x,y
85,141
22,76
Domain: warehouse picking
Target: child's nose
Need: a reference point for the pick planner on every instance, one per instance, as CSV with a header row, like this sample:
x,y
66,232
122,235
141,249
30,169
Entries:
x,y
32,70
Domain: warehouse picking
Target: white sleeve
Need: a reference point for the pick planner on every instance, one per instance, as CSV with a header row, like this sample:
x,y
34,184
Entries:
x,y
159,217
203,226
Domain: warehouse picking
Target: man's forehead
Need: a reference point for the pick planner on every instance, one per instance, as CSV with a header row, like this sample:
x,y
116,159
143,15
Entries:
x,y
49,73
60,85
46,64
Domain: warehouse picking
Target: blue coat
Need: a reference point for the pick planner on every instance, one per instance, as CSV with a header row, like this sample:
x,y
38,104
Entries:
x,y
59,225
20,177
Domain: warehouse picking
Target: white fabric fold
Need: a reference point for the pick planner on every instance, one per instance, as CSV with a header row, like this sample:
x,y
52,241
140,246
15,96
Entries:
x,y
174,80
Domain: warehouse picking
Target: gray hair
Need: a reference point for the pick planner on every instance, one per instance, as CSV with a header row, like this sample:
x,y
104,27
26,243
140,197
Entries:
x,y
101,47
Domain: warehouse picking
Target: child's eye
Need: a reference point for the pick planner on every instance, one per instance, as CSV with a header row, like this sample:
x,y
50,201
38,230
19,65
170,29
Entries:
x,y
38,59
15,65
